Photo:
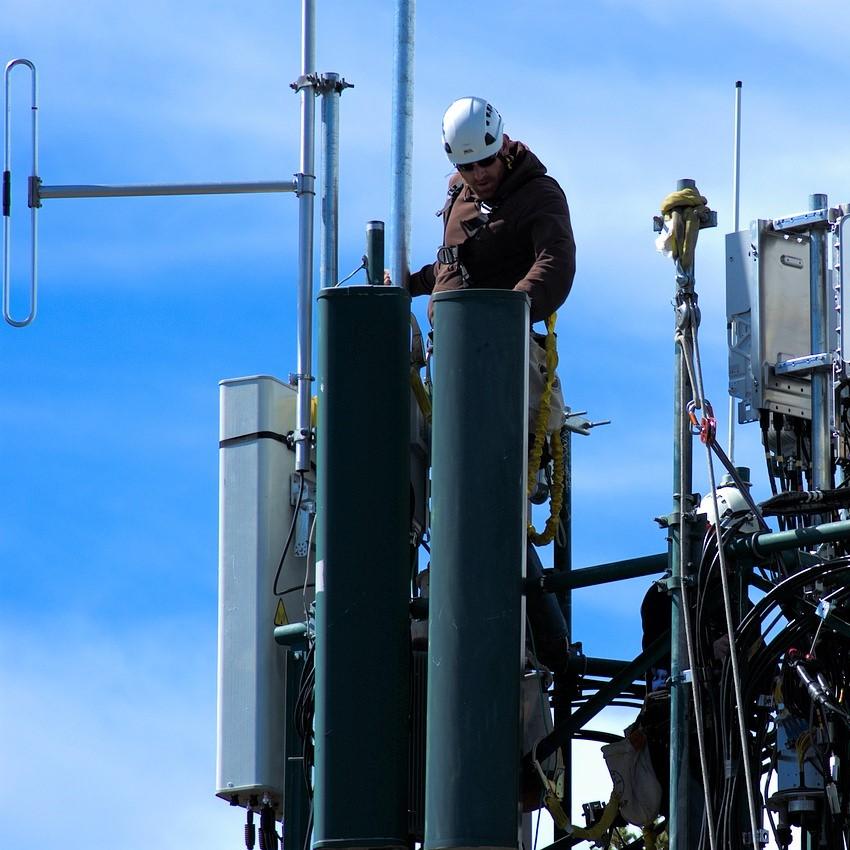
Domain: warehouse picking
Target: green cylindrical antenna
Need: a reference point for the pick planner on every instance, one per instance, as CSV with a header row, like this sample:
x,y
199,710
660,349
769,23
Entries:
x,y
479,507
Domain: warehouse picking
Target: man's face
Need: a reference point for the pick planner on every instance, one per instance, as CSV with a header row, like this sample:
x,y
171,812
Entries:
x,y
485,177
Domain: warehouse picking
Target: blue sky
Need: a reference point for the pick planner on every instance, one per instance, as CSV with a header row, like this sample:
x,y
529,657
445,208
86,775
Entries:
x,y
109,402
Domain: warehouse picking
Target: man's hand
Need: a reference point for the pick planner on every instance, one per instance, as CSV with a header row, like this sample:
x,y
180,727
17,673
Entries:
x,y
389,282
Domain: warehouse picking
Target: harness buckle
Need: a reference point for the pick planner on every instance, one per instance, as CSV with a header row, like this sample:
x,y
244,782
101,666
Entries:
x,y
447,254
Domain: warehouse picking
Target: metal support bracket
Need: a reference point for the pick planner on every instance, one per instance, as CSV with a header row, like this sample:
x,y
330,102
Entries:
x,y
34,192
328,83
578,423
305,184
809,363
684,678
671,583
307,509
804,221
306,81
709,219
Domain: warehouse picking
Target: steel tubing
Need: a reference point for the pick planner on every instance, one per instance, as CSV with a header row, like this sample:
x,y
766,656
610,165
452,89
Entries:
x,y
402,140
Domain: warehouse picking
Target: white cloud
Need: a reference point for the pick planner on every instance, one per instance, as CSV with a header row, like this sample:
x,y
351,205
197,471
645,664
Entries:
x,y
107,737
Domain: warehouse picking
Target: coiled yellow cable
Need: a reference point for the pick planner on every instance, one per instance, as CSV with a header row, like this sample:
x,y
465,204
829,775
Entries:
x,y
556,448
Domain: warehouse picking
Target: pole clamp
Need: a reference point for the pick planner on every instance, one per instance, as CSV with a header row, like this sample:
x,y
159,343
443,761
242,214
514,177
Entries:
x,y
34,192
304,435
305,184
332,84
683,678
306,81
671,583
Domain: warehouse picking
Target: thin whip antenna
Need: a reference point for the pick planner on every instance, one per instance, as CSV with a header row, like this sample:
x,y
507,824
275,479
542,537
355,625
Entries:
x,y
736,203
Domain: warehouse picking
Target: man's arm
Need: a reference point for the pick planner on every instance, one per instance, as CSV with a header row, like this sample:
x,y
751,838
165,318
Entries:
x,y
550,278
422,282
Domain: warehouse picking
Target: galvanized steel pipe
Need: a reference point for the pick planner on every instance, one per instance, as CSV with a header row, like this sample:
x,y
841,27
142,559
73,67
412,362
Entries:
x,y
680,545
306,195
145,190
329,275
402,140
821,307
375,252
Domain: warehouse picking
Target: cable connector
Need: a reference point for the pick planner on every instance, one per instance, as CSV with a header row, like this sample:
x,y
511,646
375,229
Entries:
x,y
761,837
250,832
833,798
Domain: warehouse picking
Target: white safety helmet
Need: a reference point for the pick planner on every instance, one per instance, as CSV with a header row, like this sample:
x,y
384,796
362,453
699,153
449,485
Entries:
x,y
472,130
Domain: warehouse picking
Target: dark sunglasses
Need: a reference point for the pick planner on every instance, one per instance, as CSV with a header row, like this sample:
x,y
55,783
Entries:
x,y
482,163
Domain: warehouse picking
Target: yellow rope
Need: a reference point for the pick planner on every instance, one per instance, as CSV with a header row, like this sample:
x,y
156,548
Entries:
x,y
604,823
420,394
682,211
556,448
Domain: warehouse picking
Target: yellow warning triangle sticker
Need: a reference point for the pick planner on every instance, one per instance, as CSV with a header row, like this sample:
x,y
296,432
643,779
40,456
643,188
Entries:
x,y
280,618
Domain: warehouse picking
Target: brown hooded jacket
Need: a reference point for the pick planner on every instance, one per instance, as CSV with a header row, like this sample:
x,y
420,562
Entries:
x,y
525,242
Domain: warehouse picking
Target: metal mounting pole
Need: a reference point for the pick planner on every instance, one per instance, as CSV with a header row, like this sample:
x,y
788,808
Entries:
x,y
331,86
821,342
306,193
375,252
679,543
149,190
736,204
565,683
402,141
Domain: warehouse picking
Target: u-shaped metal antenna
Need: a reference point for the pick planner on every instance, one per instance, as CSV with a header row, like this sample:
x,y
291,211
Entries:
x,y
32,201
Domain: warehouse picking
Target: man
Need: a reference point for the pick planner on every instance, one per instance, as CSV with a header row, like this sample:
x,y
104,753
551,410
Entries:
x,y
506,222
506,225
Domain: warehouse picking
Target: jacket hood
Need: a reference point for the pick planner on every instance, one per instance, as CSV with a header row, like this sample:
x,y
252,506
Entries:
x,y
525,166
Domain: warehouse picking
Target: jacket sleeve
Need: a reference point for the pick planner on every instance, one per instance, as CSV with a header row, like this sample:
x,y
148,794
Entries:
x,y
422,282
550,278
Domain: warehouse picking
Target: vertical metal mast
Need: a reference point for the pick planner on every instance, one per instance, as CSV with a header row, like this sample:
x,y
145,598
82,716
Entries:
x,y
402,140
821,343
329,261
306,180
565,683
678,829
736,204
680,547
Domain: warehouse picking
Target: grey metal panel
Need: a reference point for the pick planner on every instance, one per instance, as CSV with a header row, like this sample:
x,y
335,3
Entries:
x,y
768,314
785,320
254,518
741,292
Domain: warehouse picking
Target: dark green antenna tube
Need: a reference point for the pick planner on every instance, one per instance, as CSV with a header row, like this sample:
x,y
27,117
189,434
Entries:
x,y
476,609
362,569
